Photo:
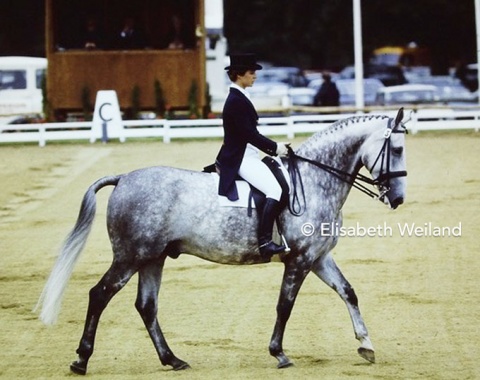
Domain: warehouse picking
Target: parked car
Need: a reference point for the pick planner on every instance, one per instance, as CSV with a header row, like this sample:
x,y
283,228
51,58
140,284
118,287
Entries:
x,y
280,86
346,87
266,94
20,85
291,76
449,89
407,94
301,96
388,75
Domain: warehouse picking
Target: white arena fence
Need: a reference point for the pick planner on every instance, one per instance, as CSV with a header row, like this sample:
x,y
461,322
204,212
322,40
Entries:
x,y
289,126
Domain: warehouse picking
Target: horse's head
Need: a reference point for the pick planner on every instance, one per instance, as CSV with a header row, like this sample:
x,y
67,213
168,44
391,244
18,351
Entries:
x,y
384,157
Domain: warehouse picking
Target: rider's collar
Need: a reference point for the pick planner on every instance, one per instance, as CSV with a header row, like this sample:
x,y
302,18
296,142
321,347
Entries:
x,y
242,90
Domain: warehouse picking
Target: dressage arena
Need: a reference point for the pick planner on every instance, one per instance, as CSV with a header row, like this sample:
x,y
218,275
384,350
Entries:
x,y
418,293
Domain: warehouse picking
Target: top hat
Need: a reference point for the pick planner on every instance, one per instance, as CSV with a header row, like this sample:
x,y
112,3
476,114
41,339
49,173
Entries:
x,y
243,62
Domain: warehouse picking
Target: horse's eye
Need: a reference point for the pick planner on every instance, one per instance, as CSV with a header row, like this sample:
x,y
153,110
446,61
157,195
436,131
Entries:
x,y
397,151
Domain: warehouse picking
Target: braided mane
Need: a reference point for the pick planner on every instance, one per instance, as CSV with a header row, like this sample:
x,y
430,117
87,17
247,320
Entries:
x,y
340,124
352,120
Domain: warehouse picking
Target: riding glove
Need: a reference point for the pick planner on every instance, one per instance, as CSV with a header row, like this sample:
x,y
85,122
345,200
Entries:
x,y
282,148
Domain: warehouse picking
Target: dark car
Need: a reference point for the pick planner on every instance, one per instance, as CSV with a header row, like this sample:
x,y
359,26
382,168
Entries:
x,y
388,75
469,76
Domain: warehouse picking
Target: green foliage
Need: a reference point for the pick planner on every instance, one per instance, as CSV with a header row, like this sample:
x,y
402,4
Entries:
x,y
160,103
135,110
319,34
208,102
308,33
86,103
46,108
193,100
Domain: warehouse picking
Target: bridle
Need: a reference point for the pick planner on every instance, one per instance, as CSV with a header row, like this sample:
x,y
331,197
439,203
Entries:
x,y
356,180
385,174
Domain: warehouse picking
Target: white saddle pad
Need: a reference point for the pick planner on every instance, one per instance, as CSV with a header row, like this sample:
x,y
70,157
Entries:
x,y
243,189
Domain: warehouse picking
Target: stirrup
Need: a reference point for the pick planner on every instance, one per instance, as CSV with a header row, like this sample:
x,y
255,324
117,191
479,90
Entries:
x,y
270,248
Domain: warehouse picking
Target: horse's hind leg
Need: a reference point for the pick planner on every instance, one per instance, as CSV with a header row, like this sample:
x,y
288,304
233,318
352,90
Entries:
x,y
326,269
150,277
100,295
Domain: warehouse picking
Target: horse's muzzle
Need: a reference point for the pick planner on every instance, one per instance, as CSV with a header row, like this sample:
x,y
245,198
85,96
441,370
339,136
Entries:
x,y
396,202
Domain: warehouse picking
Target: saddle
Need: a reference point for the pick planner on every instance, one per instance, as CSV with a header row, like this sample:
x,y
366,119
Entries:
x,y
255,196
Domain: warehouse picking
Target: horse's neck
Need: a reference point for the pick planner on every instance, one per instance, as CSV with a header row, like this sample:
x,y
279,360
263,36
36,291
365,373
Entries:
x,y
339,145
340,148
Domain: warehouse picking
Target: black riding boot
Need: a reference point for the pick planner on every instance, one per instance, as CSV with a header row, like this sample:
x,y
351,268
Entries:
x,y
267,218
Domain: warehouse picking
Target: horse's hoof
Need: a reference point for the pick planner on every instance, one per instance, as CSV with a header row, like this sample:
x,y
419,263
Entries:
x,y
285,365
283,361
79,367
181,366
367,354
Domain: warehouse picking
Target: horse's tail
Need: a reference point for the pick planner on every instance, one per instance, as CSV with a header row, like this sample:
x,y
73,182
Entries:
x,y
52,294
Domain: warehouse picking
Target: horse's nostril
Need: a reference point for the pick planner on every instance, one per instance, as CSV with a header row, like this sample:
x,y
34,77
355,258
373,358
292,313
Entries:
x,y
397,202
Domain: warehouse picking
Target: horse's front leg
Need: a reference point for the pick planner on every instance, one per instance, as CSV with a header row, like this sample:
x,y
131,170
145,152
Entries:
x,y
295,272
327,270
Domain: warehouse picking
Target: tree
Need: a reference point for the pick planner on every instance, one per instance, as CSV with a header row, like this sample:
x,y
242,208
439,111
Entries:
x,y
318,34
23,27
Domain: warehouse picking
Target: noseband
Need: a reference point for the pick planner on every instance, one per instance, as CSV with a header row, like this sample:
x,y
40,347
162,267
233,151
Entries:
x,y
383,179
355,180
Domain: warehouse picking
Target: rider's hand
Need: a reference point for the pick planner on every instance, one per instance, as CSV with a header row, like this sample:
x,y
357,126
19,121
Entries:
x,y
282,148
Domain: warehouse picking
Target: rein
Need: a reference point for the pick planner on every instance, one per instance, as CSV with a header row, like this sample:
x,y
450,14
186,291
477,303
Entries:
x,y
355,180
352,179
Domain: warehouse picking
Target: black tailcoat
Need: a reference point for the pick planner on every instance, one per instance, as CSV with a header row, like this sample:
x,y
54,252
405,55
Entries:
x,y
240,127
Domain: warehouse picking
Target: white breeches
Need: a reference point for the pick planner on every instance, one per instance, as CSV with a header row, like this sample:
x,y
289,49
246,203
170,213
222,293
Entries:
x,y
255,172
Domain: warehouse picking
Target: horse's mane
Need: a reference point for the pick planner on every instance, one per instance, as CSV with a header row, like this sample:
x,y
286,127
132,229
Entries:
x,y
340,124
356,119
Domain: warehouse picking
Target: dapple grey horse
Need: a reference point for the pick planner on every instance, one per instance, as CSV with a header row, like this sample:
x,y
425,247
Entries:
x,y
161,212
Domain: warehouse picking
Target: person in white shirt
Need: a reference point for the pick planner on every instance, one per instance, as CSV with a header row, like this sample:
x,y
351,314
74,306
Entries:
x,y
239,154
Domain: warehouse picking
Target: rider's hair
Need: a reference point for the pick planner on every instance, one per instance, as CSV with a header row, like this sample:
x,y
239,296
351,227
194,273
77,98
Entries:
x,y
233,74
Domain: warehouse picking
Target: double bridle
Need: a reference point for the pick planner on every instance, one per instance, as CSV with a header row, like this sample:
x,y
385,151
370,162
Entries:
x,y
383,179
355,180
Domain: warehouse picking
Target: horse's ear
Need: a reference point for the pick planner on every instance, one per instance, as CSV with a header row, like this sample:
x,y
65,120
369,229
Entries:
x,y
399,117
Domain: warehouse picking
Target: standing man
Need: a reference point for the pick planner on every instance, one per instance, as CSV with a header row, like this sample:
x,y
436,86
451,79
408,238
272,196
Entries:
x,y
327,95
239,154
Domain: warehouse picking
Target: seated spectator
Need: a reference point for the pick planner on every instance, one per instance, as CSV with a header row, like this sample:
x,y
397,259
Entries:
x,y
91,37
130,37
176,35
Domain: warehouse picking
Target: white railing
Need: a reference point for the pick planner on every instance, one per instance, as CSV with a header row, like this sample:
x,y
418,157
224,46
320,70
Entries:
x,y
421,120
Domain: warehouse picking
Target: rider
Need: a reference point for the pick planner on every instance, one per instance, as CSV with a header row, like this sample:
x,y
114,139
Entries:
x,y
239,154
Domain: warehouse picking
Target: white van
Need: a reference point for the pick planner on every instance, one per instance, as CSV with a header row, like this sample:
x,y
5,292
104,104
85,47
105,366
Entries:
x,y
21,85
